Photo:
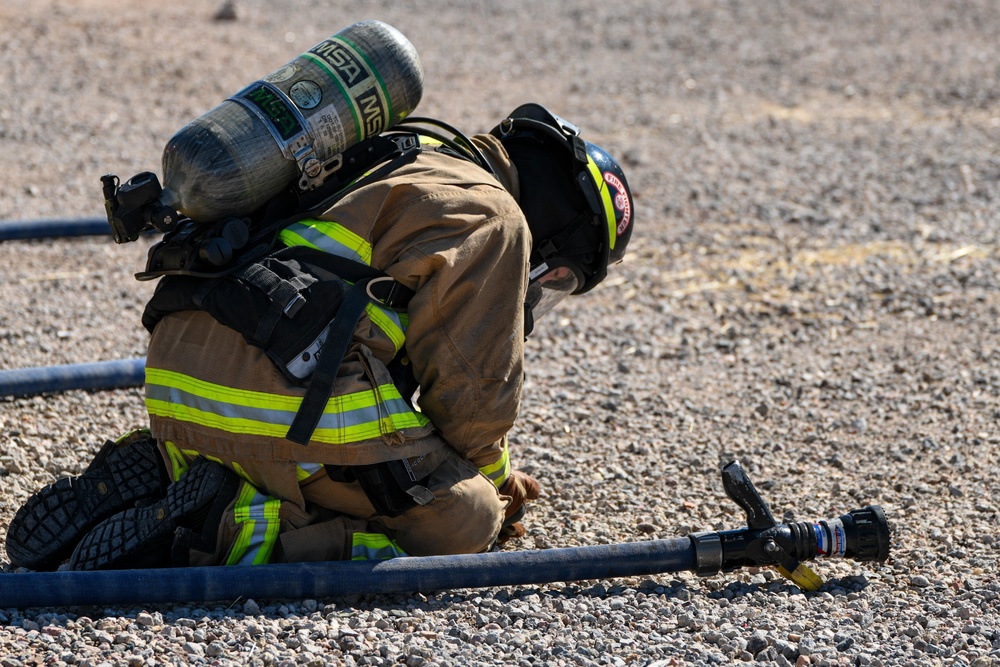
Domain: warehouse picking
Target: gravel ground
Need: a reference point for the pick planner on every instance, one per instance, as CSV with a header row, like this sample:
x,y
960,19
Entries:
x,y
812,288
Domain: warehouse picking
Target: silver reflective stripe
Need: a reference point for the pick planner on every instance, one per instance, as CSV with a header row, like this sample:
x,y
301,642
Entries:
x,y
258,517
378,411
304,471
374,546
316,238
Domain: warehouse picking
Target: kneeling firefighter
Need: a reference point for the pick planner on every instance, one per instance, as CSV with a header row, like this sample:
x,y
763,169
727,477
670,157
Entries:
x,y
282,397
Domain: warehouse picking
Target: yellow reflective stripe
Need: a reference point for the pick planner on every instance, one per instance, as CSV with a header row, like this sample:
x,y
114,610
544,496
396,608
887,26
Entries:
x,y
253,399
499,471
392,327
304,471
331,237
330,436
178,462
259,521
374,546
346,418
334,238
246,397
609,206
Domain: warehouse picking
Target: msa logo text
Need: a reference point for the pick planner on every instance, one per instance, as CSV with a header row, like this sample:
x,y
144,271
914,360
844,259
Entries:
x,y
372,114
342,61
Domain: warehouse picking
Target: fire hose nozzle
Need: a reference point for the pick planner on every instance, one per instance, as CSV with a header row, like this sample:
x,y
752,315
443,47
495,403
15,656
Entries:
x,y
862,535
870,530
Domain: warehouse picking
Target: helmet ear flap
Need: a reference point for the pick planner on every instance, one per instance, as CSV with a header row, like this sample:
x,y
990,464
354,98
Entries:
x,y
550,197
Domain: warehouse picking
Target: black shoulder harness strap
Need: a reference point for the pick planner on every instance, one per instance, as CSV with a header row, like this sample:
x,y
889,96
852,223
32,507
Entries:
x,y
321,384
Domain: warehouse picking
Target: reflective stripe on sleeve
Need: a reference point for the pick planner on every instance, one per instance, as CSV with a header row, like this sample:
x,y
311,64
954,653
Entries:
x,y
498,471
331,237
374,546
334,238
391,323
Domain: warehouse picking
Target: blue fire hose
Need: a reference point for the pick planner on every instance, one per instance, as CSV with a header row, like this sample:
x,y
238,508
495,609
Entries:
x,y
11,230
93,375
862,535
338,578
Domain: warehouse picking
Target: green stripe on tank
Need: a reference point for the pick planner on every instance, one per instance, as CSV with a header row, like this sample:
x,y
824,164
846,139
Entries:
x,y
378,77
355,112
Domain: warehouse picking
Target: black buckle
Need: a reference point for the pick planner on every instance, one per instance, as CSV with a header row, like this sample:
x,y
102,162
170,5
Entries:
x,y
389,292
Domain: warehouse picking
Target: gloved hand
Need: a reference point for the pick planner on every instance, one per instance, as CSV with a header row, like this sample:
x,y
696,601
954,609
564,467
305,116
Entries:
x,y
520,487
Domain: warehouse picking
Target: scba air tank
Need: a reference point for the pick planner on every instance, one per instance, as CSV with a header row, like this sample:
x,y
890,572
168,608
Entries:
x,y
290,124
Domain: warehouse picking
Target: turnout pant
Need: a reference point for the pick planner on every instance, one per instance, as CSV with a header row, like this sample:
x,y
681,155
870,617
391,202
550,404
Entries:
x,y
294,512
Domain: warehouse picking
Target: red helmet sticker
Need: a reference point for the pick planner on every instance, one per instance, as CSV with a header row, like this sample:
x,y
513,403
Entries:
x,y
621,200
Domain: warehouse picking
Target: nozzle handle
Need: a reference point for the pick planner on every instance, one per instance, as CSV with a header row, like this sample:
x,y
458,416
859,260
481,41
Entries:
x,y
741,490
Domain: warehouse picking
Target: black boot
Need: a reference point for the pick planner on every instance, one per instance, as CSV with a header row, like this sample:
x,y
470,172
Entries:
x,y
48,526
143,536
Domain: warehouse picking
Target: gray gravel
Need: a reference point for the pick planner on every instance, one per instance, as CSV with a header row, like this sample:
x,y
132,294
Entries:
x,y
813,289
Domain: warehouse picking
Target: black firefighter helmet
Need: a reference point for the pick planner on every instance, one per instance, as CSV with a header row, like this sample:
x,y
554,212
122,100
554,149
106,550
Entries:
x,y
576,200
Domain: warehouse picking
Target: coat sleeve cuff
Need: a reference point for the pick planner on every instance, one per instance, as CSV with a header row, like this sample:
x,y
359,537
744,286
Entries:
x,y
499,470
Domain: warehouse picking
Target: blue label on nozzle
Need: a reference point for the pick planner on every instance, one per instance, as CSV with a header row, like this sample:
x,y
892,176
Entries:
x,y
831,538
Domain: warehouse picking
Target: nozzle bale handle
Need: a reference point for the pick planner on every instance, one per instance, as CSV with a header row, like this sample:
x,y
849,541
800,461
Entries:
x,y
861,535
741,490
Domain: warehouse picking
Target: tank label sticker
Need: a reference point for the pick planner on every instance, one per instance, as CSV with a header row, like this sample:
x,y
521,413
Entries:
x,y
306,94
349,67
328,130
359,82
283,74
283,118
372,112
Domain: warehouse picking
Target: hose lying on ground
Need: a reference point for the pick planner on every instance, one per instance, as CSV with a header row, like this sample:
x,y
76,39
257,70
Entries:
x,y
92,375
862,535
12,230
321,580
